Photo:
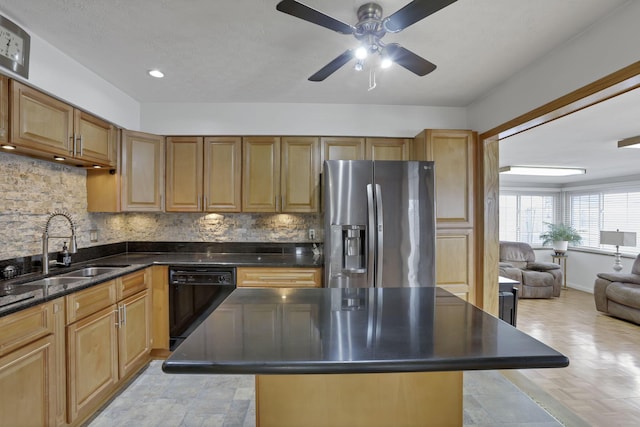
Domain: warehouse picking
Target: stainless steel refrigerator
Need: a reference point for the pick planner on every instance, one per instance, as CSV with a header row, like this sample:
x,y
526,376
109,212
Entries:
x,y
379,223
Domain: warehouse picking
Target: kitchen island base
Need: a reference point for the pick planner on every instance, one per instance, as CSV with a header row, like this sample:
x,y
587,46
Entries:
x,y
402,399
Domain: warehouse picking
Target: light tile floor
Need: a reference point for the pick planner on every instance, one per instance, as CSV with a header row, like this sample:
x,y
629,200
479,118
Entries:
x,y
154,398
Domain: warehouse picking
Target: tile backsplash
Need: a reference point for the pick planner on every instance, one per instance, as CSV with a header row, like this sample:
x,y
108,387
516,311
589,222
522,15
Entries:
x,y
30,189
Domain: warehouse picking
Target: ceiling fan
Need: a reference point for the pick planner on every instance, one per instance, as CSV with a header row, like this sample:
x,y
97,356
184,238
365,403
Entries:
x,y
369,30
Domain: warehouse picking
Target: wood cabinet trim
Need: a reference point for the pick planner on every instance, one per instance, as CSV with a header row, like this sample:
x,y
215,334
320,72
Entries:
x,y
25,326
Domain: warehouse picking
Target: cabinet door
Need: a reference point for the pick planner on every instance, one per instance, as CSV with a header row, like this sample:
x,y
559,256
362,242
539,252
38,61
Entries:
x,y
104,189
94,139
342,149
454,154
300,177
222,174
184,174
28,385
261,174
142,171
4,108
40,122
387,148
134,333
92,368
455,262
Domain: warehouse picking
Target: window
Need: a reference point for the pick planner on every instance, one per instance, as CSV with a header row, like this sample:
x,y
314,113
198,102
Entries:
x,y
522,215
595,210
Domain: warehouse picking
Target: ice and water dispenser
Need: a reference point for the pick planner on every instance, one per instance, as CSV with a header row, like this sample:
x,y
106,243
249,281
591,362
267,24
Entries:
x,y
349,246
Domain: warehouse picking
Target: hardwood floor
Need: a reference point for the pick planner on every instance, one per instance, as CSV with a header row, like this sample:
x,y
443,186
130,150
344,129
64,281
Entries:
x,y
602,383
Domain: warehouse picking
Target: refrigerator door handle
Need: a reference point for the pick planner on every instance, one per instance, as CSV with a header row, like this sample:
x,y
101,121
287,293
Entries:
x,y
371,237
379,239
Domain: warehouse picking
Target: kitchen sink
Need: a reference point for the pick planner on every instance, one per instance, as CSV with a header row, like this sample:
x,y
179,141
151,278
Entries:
x,y
91,271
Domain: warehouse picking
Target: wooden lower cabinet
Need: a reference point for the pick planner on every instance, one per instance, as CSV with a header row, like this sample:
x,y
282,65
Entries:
x,y
455,270
279,277
134,334
28,385
92,351
106,343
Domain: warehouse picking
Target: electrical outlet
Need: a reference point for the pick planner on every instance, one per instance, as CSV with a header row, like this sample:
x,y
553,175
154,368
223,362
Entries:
x,y
312,234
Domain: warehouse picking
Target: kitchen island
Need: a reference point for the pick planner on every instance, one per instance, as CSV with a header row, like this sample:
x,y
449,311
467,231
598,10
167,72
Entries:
x,y
373,356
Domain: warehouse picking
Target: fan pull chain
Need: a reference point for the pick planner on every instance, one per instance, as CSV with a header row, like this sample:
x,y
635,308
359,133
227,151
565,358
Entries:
x,y
372,79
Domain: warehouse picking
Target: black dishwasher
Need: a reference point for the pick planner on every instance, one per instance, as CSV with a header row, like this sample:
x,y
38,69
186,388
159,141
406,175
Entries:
x,y
194,292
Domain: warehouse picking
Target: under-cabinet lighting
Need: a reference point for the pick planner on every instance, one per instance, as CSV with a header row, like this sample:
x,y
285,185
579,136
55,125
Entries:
x,y
156,73
541,171
8,147
629,142
59,158
96,167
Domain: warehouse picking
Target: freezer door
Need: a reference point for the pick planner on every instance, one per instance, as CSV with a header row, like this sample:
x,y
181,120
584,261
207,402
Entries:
x,y
406,198
346,223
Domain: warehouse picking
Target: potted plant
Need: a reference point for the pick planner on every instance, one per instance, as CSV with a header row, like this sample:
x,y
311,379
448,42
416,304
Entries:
x,y
560,235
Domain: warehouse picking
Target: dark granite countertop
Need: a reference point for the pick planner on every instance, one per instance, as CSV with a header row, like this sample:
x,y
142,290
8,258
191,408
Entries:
x,y
329,330
11,301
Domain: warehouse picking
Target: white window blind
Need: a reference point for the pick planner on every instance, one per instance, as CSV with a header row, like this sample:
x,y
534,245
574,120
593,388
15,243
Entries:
x,y
523,215
618,209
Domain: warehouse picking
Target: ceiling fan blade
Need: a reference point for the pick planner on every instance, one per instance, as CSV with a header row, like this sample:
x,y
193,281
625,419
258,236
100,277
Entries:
x,y
409,60
412,13
302,11
332,66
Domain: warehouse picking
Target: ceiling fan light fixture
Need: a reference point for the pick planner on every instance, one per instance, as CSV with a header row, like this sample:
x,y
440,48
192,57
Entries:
x,y
361,52
386,62
359,65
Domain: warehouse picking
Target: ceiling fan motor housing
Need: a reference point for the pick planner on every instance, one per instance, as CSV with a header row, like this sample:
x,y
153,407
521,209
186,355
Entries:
x,y
369,28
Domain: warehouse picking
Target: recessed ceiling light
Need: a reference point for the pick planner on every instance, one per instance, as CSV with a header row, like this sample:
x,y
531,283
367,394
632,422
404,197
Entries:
x,y
156,73
541,171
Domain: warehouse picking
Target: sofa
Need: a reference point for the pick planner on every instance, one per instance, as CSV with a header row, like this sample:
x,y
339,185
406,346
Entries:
x,y
537,279
618,294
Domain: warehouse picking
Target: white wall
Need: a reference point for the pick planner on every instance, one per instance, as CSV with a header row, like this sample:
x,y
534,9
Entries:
x,y
56,73
297,119
606,47
583,267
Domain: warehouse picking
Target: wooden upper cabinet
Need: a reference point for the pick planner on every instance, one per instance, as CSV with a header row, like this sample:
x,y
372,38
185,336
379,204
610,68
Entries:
x,y
44,126
4,108
453,152
387,148
300,177
95,139
260,174
222,174
39,121
339,148
142,171
184,174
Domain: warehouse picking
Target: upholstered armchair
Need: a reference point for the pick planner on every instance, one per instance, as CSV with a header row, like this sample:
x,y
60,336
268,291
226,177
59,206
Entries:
x,y
618,294
537,279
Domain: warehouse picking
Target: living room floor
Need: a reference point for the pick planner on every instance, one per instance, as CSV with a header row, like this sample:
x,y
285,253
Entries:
x,y
602,382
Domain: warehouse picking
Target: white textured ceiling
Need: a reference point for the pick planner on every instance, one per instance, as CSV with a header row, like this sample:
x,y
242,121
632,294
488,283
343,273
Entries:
x,y
246,51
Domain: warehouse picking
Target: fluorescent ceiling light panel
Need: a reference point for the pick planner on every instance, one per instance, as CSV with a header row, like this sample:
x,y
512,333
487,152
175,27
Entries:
x,y
629,142
541,171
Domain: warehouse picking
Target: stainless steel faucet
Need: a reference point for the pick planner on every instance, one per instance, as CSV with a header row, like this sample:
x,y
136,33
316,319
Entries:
x,y
73,245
